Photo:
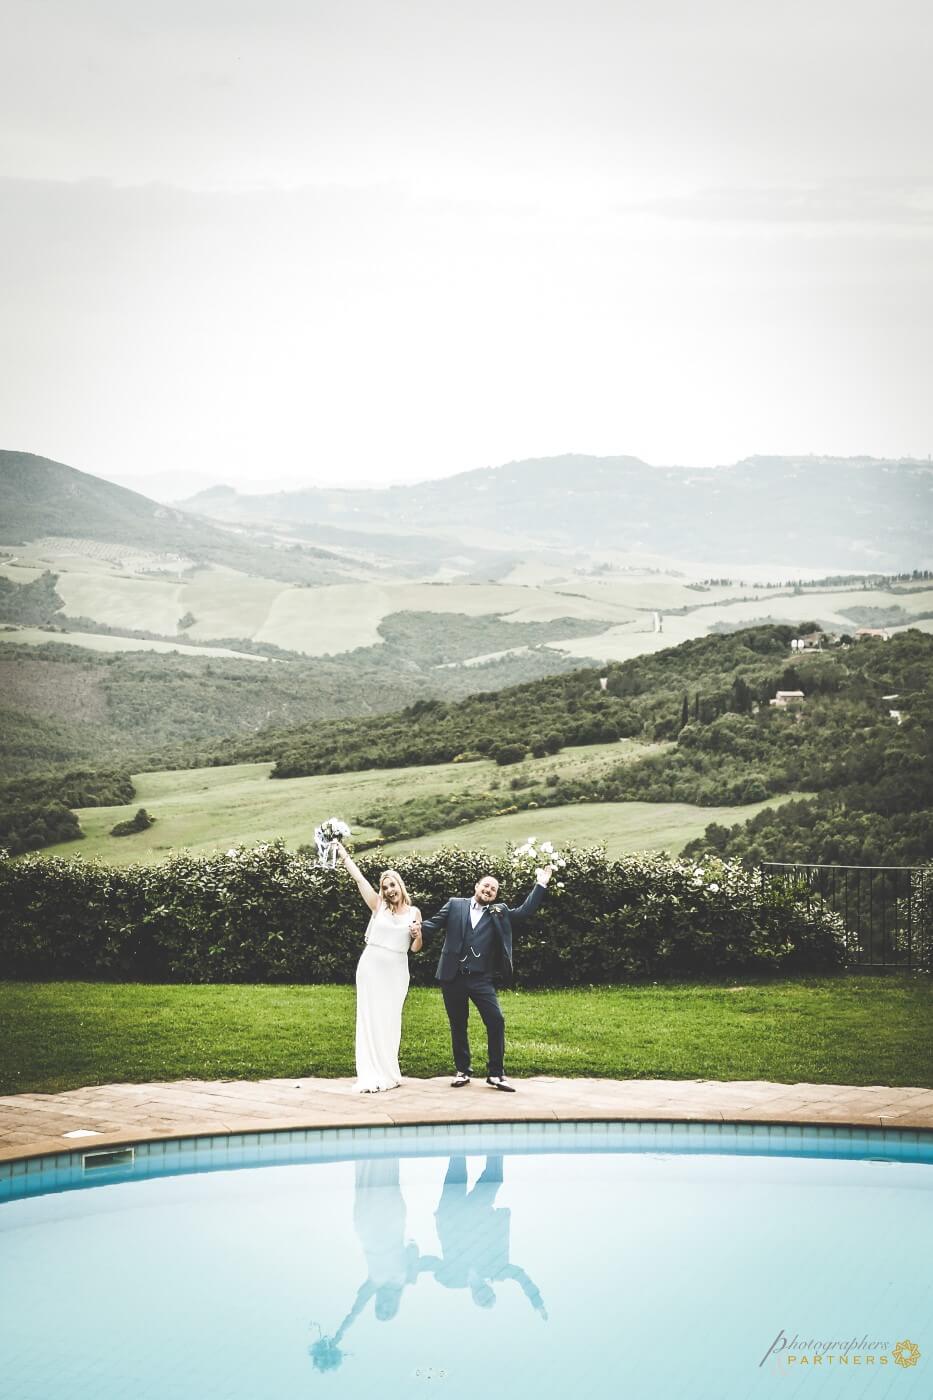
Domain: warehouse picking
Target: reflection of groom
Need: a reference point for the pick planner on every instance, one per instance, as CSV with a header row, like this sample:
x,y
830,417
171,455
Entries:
x,y
474,1237
477,948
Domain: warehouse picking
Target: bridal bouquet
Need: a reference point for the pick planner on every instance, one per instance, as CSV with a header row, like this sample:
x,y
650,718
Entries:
x,y
326,837
527,859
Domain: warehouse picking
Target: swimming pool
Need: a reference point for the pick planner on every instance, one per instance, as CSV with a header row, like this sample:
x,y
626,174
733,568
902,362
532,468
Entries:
x,y
607,1259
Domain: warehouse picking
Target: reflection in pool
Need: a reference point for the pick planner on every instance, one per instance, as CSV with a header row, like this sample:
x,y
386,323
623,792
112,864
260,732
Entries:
x,y
472,1231
600,1260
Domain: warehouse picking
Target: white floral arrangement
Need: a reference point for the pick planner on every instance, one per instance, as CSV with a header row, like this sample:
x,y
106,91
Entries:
x,y
527,859
326,837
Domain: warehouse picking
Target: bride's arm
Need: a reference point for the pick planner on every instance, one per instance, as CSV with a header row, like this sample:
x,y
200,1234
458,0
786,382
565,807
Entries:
x,y
416,929
365,888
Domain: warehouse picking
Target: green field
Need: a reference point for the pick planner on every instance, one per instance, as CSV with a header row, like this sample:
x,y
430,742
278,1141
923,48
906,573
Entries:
x,y
210,809
624,827
125,588
324,620
829,1030
743,608
102,641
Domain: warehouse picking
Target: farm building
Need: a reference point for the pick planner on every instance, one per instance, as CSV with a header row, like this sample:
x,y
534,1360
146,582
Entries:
x,y
784,698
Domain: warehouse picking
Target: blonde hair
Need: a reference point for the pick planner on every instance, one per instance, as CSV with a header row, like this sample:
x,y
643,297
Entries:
x,y
406,897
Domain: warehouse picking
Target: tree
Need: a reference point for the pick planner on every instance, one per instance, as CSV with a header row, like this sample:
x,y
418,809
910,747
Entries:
x,y
141,822
740,699
508,753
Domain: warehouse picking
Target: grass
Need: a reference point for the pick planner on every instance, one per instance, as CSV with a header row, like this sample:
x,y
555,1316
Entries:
x,y
338,617
152,605
843,1030
211,809
623,826
102,641
208,809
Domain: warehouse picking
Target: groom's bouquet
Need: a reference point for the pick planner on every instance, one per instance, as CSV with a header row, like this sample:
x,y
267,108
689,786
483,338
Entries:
x,y
326,837
526,859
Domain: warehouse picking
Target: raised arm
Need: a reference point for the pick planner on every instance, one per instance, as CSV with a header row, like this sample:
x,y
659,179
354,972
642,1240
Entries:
x,y
534,897
365,888
530,1289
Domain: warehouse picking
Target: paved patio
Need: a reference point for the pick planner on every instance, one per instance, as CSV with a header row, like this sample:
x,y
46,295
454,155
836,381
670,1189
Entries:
x,y
108,1114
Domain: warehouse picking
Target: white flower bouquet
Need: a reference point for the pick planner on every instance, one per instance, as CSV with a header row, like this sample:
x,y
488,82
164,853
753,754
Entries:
x,y
528,858
326,837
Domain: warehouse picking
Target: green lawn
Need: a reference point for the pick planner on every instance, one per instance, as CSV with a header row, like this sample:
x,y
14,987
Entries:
x,y
845,1030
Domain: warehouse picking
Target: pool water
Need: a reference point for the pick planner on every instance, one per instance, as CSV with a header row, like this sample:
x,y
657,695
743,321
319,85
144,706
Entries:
x,y
638,1260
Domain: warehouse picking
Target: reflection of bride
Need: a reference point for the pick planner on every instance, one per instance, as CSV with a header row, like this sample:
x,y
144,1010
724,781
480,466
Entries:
x,y
379,1221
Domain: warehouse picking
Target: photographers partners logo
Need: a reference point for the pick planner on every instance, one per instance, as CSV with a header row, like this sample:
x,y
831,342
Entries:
x,y
808,1353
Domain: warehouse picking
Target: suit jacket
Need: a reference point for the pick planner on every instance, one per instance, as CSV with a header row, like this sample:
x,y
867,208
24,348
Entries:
x,y
454,918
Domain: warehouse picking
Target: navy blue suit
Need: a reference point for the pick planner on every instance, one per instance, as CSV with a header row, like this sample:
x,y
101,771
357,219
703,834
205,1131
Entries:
x,y
465,977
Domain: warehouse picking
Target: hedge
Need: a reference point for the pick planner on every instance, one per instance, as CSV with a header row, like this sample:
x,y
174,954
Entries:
x,y
266,914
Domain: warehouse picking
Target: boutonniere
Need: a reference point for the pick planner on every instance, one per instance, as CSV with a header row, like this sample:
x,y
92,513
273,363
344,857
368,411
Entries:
x,y
497,908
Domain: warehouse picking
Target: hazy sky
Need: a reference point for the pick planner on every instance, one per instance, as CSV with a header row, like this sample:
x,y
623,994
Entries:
x,y
378,240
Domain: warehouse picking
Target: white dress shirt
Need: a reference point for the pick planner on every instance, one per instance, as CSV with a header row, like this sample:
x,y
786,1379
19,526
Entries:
x,y
477,911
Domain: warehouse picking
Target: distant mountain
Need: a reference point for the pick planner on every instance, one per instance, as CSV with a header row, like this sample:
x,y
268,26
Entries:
x,y
859,514
167,486
40,497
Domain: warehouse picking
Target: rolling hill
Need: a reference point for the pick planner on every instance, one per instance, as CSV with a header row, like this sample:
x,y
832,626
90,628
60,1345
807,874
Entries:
x,y
822,513
516,556
40,498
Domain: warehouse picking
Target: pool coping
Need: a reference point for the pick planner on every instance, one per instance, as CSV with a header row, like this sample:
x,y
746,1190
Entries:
x,y
117,1115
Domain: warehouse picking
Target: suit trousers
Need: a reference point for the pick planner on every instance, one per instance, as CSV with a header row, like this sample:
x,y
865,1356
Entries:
x,y
476,987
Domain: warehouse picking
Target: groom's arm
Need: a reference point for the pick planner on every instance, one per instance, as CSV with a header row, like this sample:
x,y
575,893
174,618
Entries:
x,y
528,1286
532,901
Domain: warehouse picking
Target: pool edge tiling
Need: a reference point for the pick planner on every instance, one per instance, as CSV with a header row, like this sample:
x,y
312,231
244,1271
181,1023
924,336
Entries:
x,y
39,1126
80,1168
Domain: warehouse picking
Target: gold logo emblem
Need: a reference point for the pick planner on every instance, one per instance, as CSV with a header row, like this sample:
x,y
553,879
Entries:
x,y
906,1353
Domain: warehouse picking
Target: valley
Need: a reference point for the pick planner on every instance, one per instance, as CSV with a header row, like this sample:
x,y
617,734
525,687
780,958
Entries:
x,y
584,634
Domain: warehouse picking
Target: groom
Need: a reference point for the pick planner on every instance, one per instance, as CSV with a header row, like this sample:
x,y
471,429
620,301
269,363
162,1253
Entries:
x,y
477,948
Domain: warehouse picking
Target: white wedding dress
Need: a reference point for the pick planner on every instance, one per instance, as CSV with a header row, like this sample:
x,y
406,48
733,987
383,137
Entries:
x,y
382,979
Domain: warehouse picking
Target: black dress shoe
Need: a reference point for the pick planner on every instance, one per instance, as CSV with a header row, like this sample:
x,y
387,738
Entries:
x,y
497,1082
460,1080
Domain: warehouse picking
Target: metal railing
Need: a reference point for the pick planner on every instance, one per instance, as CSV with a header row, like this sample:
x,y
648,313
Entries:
x,y
887,910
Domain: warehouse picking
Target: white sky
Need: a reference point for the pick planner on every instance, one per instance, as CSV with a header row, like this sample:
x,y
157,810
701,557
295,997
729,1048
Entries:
x,y
283,241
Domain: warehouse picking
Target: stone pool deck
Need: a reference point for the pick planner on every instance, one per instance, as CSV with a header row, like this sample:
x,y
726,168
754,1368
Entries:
x,y
33,1125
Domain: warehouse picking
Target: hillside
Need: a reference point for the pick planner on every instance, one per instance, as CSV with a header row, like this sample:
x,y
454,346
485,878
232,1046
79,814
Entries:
x,y
147,577
61,703
206,810
821,513
855,755
40,498
860,741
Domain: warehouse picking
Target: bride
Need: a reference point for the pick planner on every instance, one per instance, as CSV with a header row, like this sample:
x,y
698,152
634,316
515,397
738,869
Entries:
x,y
382,977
